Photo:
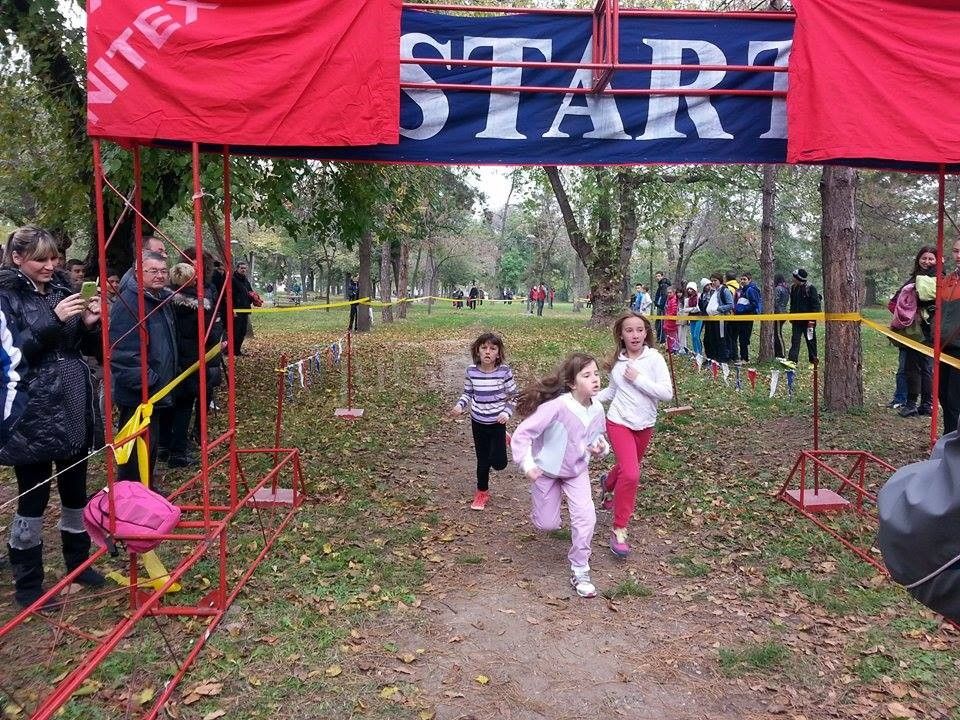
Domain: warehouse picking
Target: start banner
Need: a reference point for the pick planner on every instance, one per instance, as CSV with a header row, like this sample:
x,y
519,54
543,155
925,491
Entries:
x,y
479,126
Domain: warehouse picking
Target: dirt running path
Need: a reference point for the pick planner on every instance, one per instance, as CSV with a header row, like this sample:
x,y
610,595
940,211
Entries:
x,y
498,607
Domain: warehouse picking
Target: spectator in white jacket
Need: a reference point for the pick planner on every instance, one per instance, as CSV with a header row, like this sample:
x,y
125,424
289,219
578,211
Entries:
x,y
639,379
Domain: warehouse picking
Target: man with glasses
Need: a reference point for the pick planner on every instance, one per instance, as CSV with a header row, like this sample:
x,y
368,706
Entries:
x,y
161,352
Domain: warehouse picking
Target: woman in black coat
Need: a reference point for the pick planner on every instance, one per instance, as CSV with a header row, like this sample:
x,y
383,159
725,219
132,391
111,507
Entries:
x,y
56,326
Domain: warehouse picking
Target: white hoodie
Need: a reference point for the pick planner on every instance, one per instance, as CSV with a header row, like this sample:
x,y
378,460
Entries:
x,y
634,404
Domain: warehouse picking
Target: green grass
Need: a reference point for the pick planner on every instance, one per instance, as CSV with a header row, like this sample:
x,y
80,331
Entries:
x,y
626,589
764,657
689,567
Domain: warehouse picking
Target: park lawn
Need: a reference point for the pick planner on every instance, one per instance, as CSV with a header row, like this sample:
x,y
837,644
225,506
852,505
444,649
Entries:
x,y
363,547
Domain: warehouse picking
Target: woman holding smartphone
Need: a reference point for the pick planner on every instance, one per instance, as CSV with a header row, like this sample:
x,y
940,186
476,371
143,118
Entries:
x,y
56,326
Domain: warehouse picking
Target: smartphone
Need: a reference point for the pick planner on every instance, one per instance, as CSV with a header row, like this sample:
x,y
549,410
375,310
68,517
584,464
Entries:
x,y
88,289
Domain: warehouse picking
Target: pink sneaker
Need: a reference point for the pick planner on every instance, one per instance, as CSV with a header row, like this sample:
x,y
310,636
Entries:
x,y
618,542
480,500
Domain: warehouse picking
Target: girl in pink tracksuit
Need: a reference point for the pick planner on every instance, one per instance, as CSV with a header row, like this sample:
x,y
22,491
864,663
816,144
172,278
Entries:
x,y
553,447
638,380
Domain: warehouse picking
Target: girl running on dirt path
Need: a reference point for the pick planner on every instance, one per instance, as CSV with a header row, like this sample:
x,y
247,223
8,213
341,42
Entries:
x,y
489,389
638,380
553,447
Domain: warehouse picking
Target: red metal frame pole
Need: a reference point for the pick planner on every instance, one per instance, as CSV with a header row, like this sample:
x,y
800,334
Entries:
x,y
141,305
816,422
938,309
278,422
349,371
228,312
201,332
104,330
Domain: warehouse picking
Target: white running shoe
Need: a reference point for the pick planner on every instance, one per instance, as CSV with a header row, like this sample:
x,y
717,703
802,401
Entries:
x,y
580,581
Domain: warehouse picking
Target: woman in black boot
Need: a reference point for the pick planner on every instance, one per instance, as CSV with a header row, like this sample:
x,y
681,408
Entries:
x,y
56,326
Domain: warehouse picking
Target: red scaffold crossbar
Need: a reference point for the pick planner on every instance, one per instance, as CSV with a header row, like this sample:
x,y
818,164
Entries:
x,y
605,44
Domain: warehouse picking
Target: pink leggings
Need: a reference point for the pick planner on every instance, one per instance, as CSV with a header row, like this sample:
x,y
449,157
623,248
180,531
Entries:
x,y
629,447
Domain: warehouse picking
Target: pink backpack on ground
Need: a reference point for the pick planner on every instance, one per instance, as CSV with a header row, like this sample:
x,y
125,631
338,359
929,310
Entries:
x,y
138,510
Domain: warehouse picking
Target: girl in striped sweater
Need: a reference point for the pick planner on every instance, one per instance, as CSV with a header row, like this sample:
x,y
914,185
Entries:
x,y
489,389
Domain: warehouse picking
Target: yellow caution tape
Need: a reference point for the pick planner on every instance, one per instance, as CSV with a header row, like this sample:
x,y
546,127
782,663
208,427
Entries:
x,y
123,448
297,308
910,343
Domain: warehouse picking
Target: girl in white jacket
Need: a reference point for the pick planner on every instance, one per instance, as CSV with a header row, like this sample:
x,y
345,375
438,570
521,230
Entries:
x,y
639,379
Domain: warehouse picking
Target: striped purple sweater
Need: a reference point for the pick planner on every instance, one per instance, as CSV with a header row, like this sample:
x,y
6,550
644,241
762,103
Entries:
x,y
488,393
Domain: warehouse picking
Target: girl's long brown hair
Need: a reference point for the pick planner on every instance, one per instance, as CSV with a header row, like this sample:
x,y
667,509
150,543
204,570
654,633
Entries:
x,y
553,385
618,341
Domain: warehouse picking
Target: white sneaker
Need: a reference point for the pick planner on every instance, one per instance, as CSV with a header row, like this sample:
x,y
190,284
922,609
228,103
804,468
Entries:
x,y
580,581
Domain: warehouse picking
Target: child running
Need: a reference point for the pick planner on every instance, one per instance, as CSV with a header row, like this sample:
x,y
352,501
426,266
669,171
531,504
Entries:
x,y
489,389
638,379
553,446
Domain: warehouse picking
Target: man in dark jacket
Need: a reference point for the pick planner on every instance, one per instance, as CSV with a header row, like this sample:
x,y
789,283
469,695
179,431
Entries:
x,y
353,293
161,353
749,302
242,300
660,303
803,299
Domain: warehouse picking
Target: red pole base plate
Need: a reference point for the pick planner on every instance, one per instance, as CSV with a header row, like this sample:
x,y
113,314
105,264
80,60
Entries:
x,y
348,413
821,501
269,497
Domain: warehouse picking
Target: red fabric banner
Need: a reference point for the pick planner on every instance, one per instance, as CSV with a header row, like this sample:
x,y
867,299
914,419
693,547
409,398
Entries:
x,y
244,72
875,79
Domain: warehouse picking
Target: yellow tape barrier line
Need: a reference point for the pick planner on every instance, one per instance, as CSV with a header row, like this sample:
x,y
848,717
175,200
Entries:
x,y
798,317
910,343
297,308
141,418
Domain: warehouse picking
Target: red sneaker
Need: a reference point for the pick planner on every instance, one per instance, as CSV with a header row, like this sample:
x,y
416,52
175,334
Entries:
x,y
480,500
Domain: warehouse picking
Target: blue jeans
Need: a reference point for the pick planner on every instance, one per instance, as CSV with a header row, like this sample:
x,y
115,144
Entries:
x,y
696,329
900,393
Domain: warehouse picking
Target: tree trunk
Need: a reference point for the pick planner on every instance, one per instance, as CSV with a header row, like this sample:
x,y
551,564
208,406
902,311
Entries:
x,y
402,282
579,276
431,270
872,294
415,276
843,352
365,250
386,281
768,224
602,257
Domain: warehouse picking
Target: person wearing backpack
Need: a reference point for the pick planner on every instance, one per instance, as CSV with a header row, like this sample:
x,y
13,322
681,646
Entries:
x,y
803,299
719,301
917,367
749,303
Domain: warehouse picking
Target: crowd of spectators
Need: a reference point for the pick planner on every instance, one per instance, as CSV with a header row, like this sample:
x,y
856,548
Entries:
x,y
52,396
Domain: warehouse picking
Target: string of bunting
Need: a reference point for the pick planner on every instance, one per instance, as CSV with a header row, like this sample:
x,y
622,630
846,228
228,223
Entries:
x,y
753,376
308,370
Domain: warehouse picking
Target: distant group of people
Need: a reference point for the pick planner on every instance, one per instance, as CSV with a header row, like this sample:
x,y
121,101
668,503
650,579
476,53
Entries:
x,y
539,296
50,353
727,295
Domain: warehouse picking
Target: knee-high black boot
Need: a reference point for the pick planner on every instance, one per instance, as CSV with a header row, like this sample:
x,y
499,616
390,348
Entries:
x,y
27,567
76,549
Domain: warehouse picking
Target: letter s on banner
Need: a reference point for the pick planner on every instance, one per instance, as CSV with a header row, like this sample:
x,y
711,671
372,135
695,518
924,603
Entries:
x,y
432,103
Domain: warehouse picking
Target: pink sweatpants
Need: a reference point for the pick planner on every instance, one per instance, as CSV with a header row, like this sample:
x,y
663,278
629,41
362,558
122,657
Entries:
x,y
629,447
545,511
